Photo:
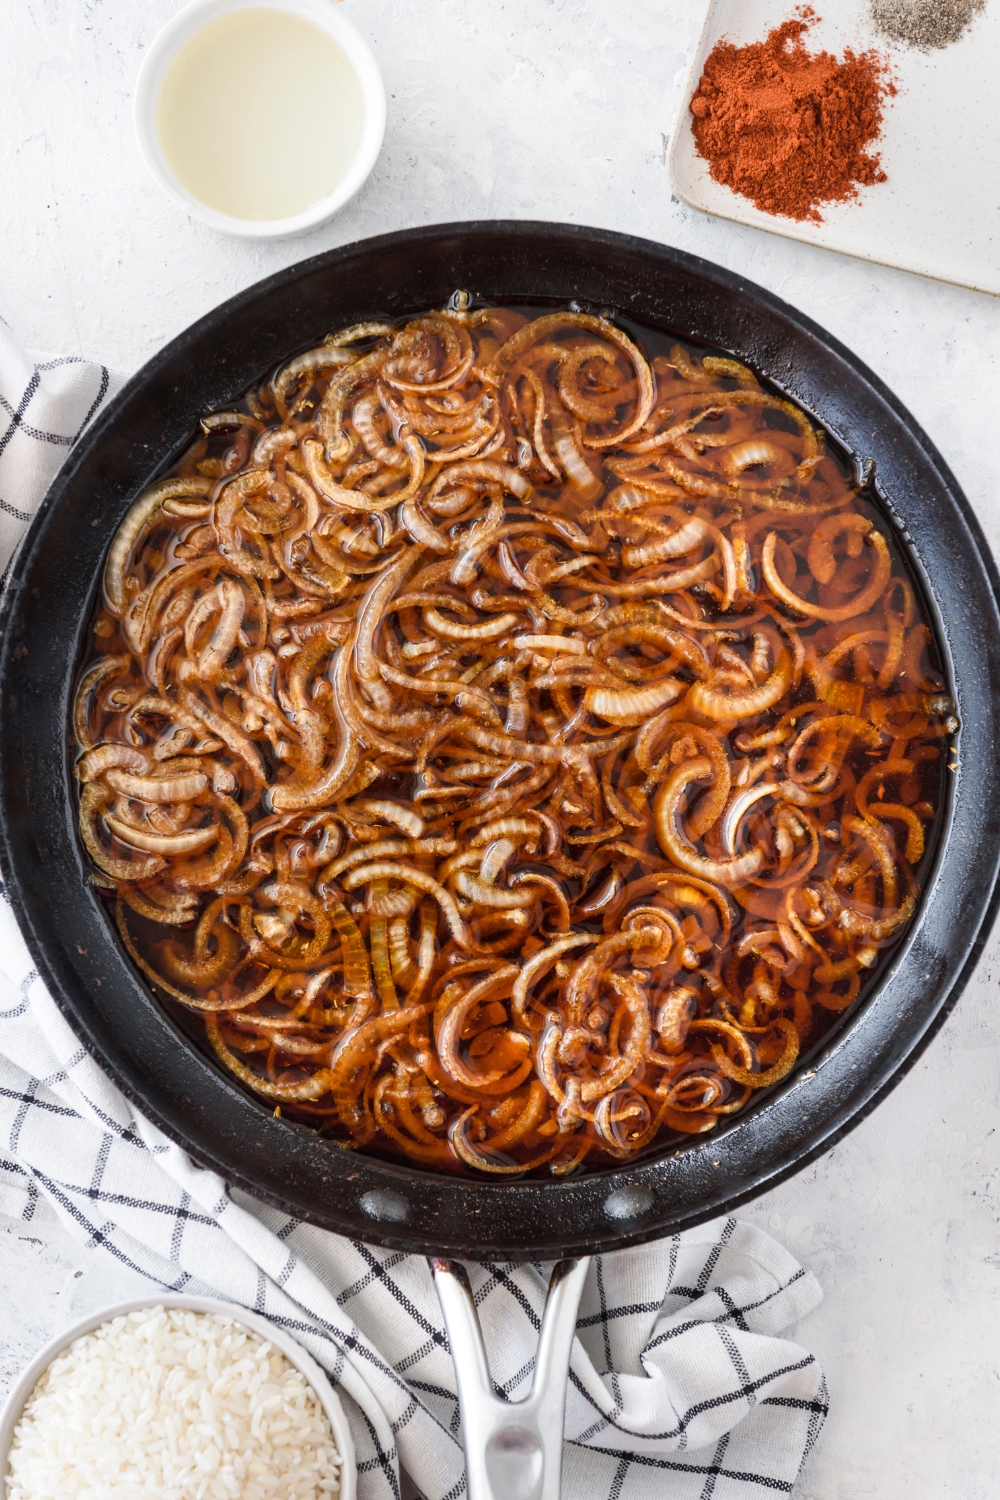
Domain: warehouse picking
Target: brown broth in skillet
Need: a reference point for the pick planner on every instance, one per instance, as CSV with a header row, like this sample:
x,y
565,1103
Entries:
x,y
515,740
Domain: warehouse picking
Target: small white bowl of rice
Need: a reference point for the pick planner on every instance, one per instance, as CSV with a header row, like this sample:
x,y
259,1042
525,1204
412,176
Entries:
x,y
177,1398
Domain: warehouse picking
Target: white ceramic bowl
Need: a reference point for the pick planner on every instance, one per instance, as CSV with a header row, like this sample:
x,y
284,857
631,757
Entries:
x,y
10,1414
192,18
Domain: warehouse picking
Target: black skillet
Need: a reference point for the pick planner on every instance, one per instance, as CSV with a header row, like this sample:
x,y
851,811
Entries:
x,y
49,598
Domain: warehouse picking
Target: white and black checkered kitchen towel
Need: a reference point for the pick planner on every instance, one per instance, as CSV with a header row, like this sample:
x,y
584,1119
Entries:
x,y
44,406
680,1386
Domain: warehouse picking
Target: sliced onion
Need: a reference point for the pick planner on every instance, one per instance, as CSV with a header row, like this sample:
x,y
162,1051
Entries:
x,y
381,870
632,705
728,873
137,522
862,601
162,843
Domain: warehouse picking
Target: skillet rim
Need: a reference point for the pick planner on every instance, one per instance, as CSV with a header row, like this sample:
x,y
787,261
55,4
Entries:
x,y
588,1193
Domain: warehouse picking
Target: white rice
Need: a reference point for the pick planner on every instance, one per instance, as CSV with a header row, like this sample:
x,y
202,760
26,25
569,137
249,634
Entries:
x,y
166,1404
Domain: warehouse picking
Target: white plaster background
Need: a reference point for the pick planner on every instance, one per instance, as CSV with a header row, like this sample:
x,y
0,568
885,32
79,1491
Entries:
x,y
558,109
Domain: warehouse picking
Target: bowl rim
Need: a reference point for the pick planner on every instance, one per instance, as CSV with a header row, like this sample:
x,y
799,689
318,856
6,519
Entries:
x,y
319,1381
186,23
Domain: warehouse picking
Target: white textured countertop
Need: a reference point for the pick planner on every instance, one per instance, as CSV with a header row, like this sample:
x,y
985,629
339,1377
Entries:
x,y
559,109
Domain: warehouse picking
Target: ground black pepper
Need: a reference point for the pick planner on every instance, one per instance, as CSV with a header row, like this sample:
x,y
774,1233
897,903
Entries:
x,y
924,23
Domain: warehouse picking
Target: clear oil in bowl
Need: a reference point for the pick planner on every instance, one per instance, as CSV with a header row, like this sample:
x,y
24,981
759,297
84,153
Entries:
x,y
260,114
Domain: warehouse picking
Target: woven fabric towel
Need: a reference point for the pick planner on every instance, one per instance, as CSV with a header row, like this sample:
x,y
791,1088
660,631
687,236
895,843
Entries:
x,y
681,1384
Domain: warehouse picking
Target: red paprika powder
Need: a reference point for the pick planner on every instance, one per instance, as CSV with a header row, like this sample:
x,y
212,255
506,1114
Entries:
x,y
788,128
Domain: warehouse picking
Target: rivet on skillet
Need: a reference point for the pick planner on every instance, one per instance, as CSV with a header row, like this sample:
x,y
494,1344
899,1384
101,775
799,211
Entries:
x,y
387,1206
628,1203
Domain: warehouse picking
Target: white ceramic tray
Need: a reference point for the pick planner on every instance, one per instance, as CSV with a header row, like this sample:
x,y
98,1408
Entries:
x,y
939,212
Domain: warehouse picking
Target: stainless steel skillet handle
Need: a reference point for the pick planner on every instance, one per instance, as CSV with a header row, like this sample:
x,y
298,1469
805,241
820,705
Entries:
x,y
513,1449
